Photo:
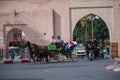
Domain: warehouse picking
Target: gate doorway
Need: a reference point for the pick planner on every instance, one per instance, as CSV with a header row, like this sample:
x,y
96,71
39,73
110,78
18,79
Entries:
x,y
92,28
14,38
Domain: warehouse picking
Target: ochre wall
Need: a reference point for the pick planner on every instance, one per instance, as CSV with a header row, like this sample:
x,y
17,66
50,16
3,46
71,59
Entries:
x,y
58,17
50,17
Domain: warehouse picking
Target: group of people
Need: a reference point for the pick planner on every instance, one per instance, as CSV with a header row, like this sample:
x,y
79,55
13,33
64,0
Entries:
x,y
99,51
59,42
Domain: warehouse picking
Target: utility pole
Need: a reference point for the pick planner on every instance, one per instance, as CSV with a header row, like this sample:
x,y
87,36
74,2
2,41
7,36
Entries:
x,y
92,27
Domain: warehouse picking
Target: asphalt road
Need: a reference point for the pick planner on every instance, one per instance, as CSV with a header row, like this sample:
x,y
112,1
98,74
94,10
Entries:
x,y
81,70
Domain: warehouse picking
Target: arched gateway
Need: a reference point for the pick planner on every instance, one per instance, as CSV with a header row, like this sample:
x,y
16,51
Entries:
x,y
46,18
91,27
105,9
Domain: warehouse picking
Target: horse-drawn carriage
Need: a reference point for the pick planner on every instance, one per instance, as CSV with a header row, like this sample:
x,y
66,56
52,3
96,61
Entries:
x,y
61,54
52,51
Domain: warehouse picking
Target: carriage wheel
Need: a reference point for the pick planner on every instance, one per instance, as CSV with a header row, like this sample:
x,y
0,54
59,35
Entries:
x,y
74,56
61,57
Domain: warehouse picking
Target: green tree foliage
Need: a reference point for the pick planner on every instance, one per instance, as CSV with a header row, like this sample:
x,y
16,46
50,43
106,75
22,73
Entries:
x,y
83,30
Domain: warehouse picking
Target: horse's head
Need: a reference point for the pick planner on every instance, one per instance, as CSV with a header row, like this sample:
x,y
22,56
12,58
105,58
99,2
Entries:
x,y
28,43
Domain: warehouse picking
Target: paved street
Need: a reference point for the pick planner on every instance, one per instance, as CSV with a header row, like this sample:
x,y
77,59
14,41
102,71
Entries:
x,y
81,70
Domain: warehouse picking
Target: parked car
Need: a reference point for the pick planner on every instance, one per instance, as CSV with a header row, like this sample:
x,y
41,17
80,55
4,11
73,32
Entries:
x,y
80,50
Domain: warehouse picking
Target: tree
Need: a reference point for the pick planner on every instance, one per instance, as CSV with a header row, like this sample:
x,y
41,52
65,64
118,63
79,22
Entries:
x,y
85,24
83,30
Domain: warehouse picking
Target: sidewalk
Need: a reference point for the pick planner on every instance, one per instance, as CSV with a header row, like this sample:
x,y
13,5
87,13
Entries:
x,y
14,61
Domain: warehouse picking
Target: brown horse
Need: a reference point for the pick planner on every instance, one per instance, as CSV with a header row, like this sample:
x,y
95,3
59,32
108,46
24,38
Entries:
x,y
38,53
41,52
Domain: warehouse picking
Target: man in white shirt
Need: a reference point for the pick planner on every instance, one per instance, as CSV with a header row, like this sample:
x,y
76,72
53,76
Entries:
x,y
53,40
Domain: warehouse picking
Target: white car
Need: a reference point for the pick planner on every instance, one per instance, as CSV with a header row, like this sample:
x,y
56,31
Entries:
x,y
80,50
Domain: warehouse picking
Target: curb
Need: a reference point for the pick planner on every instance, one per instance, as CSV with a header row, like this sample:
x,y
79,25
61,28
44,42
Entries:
x,y
9,61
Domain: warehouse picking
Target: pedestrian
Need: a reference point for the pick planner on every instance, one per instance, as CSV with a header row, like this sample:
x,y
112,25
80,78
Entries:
x,y
108,50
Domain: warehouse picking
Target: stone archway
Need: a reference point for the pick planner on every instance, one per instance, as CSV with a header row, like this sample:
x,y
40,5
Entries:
x,y
9,28
91,27
106,13
76,14
12,36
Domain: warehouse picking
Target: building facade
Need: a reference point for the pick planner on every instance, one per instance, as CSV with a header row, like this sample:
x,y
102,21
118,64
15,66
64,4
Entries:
x,y
46,18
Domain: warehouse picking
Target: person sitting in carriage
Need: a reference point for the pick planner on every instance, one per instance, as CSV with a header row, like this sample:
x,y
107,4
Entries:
x,y
59,42
53,40
69,45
